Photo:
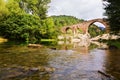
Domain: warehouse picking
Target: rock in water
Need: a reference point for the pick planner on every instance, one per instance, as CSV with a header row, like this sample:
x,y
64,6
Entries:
x,y
34,45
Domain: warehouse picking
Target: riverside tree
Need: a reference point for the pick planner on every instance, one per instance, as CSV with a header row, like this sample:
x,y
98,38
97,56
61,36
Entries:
x,y
35,7
112,8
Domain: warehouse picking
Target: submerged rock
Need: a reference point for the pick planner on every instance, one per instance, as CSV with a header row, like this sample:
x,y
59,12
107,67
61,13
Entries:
x,y
35,45
23,72
53,48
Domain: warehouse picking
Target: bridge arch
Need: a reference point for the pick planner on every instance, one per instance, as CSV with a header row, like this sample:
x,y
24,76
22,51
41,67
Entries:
x,y
102,21
73,28
69,30
95,30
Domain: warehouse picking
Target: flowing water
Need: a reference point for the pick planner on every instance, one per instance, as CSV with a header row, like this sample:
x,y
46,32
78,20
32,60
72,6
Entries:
x,y
58,62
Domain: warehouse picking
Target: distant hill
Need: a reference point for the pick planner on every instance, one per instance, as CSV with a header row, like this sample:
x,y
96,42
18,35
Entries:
x,y
102,28
64,20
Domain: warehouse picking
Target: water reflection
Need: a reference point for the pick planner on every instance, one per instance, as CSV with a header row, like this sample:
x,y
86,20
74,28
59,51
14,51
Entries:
x,y
113,63
78,65
71,61
82,46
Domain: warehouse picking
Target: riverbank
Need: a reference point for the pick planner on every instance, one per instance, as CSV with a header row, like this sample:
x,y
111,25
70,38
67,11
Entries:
x,y
113,44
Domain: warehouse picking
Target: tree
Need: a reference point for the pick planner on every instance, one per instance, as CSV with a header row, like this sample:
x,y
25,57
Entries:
x,y
3,10
113,12
13,8
35,7
48,29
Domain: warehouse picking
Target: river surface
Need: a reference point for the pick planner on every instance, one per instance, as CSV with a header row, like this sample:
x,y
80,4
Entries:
x,y
59,62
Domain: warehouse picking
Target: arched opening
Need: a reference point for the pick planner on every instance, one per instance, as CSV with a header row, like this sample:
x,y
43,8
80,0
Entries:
x,y
96,28
69,30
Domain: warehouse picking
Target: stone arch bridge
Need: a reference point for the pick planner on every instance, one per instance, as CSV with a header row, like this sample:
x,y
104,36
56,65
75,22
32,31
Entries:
x,y
85,25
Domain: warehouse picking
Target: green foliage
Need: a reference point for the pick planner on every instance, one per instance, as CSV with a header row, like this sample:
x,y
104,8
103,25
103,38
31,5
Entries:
x,y
69,31
115,43
25,20
3,10
113,13
13,7
92,46
48,29
35,7
80,31
95,31
21,27
64,20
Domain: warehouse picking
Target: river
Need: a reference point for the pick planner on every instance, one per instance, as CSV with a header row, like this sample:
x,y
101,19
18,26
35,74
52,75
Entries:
x,y
58,62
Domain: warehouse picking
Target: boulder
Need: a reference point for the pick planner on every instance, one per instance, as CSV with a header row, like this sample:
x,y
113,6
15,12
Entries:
x,y
34,45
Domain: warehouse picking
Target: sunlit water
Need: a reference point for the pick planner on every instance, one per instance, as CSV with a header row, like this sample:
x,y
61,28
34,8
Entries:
x,y
69,61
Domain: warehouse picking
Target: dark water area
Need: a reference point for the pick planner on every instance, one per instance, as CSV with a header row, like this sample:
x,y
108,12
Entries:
x,y
58,61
